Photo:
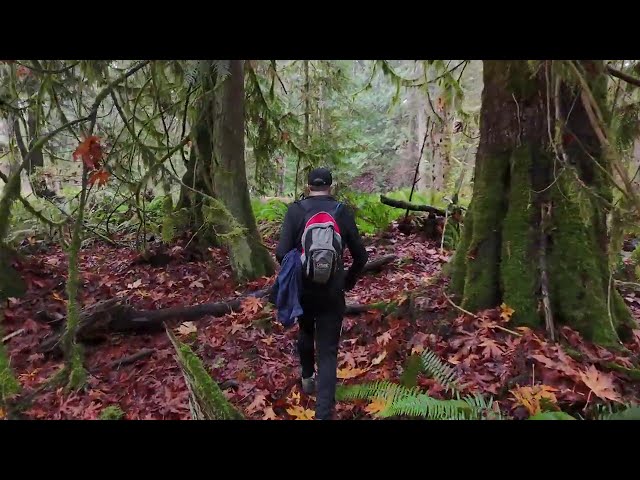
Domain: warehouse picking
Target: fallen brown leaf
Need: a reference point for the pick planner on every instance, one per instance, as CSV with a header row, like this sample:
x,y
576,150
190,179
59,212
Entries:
x,y
600,383
269,414
186,328
346,373
301,413
376,406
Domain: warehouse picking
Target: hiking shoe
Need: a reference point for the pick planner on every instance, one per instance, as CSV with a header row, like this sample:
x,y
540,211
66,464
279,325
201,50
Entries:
x,y
309,385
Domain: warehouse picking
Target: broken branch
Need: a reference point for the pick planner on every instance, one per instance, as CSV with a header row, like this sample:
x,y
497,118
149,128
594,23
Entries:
x,y
411,206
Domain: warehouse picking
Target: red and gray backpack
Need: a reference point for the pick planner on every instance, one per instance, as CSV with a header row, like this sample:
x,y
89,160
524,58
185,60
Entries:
x,y
321,245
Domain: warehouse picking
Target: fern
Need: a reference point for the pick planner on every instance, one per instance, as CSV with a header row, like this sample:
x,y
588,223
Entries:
x,y
436,368
430,408
382,390
400,400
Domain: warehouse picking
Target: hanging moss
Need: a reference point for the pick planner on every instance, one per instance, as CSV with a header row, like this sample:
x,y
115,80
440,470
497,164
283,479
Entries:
x,y
518,269
207,400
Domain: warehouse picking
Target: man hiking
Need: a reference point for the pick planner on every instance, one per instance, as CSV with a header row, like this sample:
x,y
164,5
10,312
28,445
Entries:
x,y
318,228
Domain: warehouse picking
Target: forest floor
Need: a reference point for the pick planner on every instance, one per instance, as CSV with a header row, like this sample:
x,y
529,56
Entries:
x,y
254,359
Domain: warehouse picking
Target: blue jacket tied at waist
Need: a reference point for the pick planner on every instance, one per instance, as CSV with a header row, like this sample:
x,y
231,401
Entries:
x,y
288,289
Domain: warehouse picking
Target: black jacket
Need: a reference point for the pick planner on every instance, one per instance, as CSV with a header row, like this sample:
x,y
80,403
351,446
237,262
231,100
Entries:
x,y
293,225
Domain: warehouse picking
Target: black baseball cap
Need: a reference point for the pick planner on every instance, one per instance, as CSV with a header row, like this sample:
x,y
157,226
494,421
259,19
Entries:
x,y
320,177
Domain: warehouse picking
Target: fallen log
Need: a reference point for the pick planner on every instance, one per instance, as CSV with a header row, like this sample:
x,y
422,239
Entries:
x,y
411,206
117,315
378,263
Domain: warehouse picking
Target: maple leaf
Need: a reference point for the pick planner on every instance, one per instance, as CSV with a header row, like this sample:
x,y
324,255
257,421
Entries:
x,y
257,404
187,328
251,304
101,177
269,414
379,358
348,359
376,406
301,413
506,312
346,373
384,338
600,383
561,366
534,398
492,349
236,327
268,340
91,152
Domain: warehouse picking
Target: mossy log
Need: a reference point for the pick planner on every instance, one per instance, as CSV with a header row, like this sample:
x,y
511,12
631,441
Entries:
x,y
528,188
206,399
411,206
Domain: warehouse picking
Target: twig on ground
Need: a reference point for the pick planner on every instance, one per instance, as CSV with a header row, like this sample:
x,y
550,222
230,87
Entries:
x,y
477,317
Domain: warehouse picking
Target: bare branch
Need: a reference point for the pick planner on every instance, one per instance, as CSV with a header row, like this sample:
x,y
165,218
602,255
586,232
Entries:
x,y
623,76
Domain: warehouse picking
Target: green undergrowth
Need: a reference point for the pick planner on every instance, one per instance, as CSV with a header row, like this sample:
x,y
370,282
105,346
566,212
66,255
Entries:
x,y
407,400
371,215
112,412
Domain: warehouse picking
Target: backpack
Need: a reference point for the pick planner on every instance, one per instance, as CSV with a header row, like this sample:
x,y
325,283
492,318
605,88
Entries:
x,y
321,245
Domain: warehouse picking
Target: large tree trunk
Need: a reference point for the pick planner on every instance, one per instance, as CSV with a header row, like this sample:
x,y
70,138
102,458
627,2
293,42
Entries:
x,y
250,259
508,243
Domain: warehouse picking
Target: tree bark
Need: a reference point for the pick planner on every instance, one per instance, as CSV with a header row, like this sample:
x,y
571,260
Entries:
x,y
250,259
219,145
517,172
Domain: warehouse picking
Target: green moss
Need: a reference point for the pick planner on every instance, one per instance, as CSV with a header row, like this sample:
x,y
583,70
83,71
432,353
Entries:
x,y
481,289
168,220
520,73
10,192
518,270
411,370
578,282
77,372
207,399
458,264
9,385
632,373
112,412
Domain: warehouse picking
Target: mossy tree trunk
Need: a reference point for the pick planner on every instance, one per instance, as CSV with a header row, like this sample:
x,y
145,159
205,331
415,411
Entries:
x,y
219,146
508,241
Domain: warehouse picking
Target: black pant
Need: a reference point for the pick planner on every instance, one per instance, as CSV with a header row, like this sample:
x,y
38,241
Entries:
x,y
322,324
